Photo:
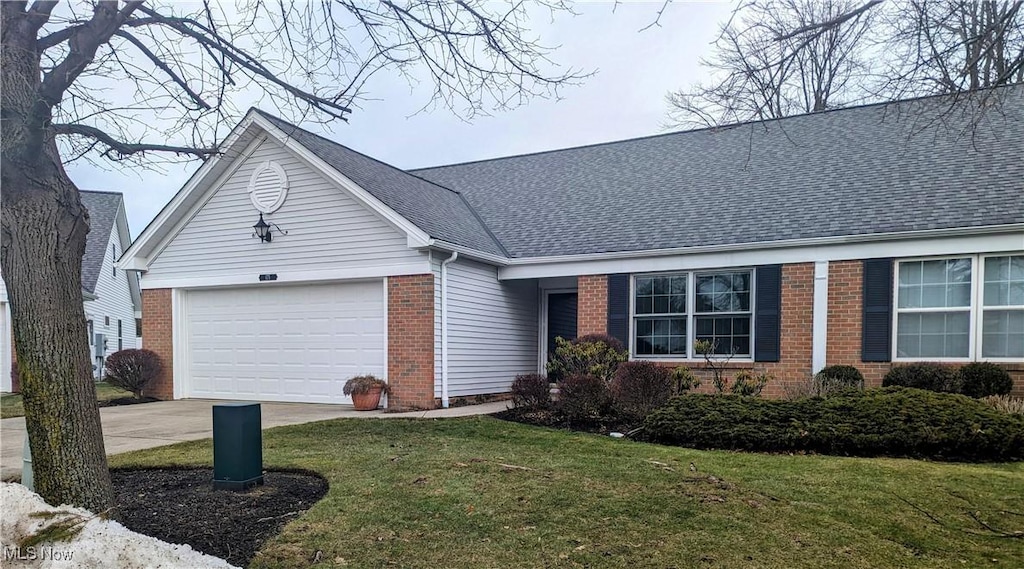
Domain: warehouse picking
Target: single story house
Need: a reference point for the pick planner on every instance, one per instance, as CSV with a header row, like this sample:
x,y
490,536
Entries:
x,y
111,296
868,236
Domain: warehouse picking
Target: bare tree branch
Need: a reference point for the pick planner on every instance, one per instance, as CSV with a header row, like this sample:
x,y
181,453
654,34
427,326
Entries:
x,y
118,149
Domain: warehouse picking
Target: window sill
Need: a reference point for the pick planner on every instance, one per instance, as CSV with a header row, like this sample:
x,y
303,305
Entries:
x,y
734,363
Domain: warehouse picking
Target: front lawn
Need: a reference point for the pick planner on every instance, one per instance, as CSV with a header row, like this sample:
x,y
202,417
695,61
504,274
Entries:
x,y
479,492
10,405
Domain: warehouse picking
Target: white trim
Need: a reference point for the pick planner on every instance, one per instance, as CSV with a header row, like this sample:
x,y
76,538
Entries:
x,y
819,317
415,268
6,384
413,232
444,327
467,252
153,230
179,344
970,241
384,304
542,328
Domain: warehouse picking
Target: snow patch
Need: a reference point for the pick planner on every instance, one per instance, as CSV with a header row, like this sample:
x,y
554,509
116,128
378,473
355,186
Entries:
x,y
100,543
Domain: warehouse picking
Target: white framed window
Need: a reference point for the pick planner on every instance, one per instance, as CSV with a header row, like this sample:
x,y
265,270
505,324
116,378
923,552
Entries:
x,y
959,308
672,310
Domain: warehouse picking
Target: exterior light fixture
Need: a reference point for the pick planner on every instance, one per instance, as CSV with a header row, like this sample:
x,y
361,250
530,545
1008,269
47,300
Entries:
x,y
262,230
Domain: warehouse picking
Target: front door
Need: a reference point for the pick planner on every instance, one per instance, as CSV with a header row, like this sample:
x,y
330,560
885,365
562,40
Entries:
x,y
561,319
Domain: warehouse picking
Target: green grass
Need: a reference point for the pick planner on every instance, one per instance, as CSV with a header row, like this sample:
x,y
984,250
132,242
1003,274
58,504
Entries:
x,y
409,493
10,405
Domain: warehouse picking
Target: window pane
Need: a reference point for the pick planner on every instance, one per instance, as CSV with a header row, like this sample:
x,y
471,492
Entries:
x,y
661,295
1004,281
933,334
935,284
660,336
729,334
723,292
1002,334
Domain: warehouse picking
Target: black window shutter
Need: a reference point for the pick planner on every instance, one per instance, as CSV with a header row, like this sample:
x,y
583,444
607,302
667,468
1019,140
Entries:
x,y
768,318
876,326
618,307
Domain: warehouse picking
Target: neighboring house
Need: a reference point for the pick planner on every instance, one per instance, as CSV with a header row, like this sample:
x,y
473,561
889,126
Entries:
x,y
864,236
111,296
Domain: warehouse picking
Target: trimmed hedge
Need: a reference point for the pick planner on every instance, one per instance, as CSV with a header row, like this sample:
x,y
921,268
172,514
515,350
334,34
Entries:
x,y
890,421
981,379
840,377
583,397
132,370
592,354
925,375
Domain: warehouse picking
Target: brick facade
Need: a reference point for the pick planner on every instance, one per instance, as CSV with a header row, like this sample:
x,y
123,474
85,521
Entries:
x,y
157,329
845,289
411,341
592,305
845,306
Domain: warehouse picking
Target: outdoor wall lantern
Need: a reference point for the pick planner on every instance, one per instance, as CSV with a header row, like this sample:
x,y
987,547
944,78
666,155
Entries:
x,y
262,229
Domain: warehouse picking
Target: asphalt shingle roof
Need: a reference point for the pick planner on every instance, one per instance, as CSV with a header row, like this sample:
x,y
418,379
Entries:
x,y
438,211
914,165
102,208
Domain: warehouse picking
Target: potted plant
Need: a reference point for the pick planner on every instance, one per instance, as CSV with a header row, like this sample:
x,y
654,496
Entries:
x,y
365,391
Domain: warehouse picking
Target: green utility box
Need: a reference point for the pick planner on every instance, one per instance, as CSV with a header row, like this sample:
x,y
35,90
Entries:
x,y
237,446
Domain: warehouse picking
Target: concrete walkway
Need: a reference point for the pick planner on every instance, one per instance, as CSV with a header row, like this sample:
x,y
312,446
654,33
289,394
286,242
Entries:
x,y
135,427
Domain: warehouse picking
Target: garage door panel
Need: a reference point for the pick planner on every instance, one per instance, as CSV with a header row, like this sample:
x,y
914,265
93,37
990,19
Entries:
x,y
284,343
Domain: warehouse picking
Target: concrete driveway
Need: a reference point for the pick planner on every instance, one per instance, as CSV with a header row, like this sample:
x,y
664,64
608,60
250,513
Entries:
x,y
135,427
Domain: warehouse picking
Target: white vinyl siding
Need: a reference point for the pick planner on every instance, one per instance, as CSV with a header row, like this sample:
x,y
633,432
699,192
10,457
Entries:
x,y
113,302
492,329
327,229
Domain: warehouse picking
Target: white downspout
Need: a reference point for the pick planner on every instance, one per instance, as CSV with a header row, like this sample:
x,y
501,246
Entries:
x,y
444,327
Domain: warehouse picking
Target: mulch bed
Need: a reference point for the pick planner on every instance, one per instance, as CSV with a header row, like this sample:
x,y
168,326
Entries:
x,y
126,401
554,420
179,505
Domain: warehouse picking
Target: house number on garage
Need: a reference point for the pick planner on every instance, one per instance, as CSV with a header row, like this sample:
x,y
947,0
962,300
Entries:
x,y
268,187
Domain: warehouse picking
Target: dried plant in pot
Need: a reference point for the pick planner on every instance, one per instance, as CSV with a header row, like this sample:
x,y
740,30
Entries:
x,y
365,391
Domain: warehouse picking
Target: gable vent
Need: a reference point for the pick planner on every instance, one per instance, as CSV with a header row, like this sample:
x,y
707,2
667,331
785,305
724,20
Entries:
x,y
268,187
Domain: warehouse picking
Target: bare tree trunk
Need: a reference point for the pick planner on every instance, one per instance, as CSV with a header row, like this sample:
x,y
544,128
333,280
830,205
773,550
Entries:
x,y
43,227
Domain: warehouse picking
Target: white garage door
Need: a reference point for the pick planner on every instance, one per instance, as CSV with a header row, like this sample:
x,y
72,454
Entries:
x,y
284,343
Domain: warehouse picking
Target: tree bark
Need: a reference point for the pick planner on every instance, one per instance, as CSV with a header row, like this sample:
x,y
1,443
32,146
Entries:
x,y
43,227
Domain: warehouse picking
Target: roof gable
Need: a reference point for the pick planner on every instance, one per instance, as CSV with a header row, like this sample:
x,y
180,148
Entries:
x,y
103,210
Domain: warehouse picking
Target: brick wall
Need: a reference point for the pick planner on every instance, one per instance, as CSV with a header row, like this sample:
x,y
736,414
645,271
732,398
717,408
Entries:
x,y
411,341
592,305
157,326
845,306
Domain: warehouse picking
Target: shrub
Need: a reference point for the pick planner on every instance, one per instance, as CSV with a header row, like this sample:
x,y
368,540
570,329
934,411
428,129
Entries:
x,y
593,354
683,380
750,384
890,421
929,376
839,377
361,384
981,379
640,387
583,397
131,370
1006,404
531,391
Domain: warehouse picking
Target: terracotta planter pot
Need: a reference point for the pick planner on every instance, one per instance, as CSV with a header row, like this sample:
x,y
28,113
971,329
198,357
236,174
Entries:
x,y
367,401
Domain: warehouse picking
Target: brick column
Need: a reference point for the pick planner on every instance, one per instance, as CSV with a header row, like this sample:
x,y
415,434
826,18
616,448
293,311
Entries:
x,y
157,326
796,333
592,305
845,317
411,341
15,377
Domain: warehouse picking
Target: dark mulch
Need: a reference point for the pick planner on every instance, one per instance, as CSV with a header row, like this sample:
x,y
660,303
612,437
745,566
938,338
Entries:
x,y
555,420
126,401
179,505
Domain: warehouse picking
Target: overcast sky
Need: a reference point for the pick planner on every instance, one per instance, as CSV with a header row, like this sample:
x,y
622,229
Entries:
x,y
626,98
